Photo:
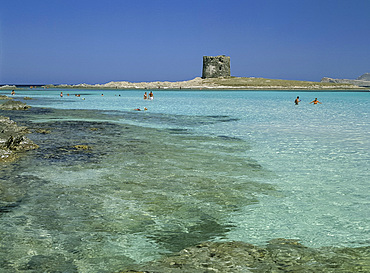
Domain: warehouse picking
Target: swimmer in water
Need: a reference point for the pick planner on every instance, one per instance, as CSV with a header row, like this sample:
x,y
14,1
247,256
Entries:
x,y
315,101
138,109
297,100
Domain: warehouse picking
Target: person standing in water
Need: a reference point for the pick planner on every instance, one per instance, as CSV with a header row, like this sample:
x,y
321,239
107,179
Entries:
x,y
315,101
145,96
297,100
151,96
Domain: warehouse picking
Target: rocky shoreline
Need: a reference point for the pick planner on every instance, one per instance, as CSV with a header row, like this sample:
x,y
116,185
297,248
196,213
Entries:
x,y
13,138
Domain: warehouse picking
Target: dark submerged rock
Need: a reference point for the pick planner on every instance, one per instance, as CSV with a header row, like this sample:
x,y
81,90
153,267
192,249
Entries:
x,y
56,263
43,131
82,147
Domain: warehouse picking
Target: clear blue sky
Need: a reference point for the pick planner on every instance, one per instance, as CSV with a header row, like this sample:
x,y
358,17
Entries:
x,y
97,41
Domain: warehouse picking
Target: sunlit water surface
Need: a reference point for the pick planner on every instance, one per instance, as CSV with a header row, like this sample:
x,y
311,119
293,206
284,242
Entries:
x,y
196,166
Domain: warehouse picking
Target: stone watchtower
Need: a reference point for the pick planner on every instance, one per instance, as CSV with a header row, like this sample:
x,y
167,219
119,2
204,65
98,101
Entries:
x,y
214,67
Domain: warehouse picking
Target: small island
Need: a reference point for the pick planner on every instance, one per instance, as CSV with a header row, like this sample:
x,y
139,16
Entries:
x,y
216,75
220,83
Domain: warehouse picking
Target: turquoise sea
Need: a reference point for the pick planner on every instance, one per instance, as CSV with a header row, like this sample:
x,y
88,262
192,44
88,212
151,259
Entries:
x,y
196,166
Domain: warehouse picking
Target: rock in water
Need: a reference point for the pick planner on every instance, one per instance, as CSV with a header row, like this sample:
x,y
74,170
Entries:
x,y
13,139
14,105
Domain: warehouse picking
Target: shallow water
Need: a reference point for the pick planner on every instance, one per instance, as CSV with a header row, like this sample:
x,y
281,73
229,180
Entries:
x,y
196,166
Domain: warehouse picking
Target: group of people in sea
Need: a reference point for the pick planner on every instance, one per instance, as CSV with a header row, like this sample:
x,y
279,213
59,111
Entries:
x,y
315,101
138,109
76,95
146,97
151,96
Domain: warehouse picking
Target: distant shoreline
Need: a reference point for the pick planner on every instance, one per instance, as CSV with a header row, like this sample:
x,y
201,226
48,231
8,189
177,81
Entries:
x,y
228,83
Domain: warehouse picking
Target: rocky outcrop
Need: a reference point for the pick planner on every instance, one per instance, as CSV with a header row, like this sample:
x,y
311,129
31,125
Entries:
x,y
3,97
13,140
14,105
362,81
279,255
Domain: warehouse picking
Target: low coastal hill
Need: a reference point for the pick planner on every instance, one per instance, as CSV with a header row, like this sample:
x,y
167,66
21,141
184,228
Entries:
x,y
227,83
362,81
364,77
